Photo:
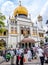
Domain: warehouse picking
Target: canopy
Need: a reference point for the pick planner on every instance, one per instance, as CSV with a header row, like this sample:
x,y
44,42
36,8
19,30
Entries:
x,y
25,40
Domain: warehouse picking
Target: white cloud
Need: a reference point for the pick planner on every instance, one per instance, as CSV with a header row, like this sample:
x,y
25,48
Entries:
x,y
44,8
43,12
7,8
33,6
1,1
33,9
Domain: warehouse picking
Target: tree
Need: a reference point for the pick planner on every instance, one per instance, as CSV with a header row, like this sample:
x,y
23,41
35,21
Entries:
x,y
41,42
2,17
2,24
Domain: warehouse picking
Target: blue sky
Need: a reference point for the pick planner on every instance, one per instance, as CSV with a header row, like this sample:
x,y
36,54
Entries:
x,y
34,7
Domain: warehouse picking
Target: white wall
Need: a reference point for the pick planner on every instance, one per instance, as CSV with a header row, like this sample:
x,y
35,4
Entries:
x,y
12,40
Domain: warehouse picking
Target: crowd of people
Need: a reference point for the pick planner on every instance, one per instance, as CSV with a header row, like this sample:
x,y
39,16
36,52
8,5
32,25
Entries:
x,y
19,52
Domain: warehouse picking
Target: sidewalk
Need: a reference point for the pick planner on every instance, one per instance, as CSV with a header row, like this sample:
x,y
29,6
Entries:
x,y
1,60
32,62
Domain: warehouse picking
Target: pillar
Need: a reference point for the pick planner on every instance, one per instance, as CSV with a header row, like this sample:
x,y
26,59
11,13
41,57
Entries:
x,y
18,31
31,31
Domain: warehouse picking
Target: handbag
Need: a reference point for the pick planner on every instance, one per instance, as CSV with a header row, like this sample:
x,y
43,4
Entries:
x,y
19,57
24,60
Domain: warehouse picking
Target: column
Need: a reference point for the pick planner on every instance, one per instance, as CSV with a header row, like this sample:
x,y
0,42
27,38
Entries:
x,y
31,31
18,31
27,44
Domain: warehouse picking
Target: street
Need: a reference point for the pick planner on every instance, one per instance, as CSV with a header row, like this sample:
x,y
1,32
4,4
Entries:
x,y
32,62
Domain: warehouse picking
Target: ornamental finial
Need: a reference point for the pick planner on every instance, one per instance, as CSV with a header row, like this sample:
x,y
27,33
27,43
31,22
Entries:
x,y
19,2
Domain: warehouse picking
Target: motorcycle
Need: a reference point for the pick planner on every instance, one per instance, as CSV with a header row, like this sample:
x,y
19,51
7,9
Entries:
x,y
8,56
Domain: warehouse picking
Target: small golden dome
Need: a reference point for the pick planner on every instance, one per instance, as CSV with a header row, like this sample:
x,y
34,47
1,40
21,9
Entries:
x,y
20,10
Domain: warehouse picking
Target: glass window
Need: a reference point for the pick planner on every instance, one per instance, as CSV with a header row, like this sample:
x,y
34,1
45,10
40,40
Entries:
x,y
12,21
12,29
41,34
15,30
28,31
34,32
15,22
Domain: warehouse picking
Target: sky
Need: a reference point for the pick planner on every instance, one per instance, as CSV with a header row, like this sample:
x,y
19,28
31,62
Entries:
x,y
34,7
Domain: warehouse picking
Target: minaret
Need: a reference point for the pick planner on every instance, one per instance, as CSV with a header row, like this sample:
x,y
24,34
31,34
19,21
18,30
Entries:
x,y
40,20
19,5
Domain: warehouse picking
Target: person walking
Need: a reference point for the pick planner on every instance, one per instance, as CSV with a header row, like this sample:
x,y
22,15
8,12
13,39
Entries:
x,y
40,52
32,52
12,56
4,54
29,54
22,56
18,55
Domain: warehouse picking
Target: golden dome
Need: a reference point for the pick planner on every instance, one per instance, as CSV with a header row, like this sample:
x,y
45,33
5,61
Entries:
x,y
20,10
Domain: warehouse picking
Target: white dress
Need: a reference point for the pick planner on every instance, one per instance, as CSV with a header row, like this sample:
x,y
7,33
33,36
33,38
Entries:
x,y
40,52
29,54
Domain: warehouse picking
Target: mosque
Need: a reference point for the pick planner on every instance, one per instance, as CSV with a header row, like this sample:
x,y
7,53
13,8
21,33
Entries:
x,y
21,30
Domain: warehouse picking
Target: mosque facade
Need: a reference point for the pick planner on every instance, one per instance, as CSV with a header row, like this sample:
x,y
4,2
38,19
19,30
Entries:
x,y
21,30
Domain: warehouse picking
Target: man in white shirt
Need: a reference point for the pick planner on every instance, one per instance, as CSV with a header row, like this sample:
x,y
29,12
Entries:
x,y
12,56
41,55
29,54
18,55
